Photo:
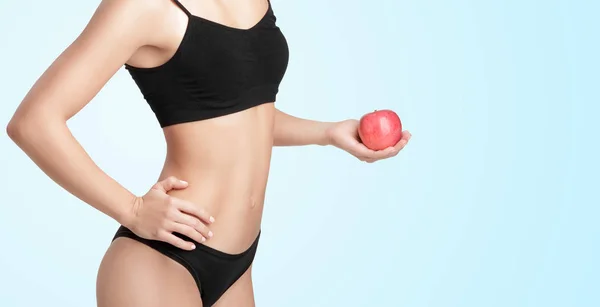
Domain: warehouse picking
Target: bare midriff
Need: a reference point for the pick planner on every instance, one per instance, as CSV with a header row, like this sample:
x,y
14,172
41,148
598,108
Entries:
x,y
226,162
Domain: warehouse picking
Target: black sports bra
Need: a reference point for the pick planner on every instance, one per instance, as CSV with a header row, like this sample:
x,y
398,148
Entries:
x,y
216,70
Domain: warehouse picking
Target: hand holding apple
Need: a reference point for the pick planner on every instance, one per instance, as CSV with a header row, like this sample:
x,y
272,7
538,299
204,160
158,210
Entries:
x,y
346,136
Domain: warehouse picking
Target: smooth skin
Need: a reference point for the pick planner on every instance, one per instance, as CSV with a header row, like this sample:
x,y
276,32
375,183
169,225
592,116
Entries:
x,y
211,189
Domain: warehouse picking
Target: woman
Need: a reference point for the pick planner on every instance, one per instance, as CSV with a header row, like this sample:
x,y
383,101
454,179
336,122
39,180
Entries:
x,y
210,71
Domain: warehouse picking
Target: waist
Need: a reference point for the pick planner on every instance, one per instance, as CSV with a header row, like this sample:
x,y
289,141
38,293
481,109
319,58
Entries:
x,y
224,193
236,203
226,162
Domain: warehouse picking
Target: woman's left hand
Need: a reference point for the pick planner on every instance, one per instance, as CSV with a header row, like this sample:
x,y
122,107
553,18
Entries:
x,y
344,135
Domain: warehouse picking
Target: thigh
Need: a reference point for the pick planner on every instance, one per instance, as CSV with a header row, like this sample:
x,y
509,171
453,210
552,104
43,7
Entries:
x,y
240,294
132,274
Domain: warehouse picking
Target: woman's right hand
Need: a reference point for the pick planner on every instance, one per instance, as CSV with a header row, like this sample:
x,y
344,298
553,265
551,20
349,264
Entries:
x,y
157,215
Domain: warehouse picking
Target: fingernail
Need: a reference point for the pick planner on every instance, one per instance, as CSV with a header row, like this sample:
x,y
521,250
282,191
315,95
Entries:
x,y
183,181
193,246
210,234
212,219
203,239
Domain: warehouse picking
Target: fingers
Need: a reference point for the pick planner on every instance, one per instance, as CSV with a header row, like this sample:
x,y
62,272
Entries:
x,y
176,241
403,141
194,219
188,231
197,225
165,215
393,151
170,183
185,224
368,155
365,154
192,209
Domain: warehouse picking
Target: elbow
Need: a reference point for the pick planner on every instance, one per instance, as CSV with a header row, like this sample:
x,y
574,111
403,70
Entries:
x,y
19,131
14,130
22,129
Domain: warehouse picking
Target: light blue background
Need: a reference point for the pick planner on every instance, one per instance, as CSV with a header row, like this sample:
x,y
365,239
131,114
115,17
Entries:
x,y
493,203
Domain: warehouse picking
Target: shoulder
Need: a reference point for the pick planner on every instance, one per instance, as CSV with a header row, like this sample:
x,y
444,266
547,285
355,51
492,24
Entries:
x,y
135,8
132,18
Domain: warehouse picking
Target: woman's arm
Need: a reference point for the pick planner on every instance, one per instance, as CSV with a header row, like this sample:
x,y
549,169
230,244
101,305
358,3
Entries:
x,y
294,131
116,30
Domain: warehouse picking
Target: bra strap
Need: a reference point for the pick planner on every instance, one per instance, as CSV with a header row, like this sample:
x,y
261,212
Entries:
x,y
182,7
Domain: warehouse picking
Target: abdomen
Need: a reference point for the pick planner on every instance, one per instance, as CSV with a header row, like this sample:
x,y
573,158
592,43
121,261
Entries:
x,y
226,162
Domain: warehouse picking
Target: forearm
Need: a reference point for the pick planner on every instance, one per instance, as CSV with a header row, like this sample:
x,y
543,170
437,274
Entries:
x,y
294,131
51,146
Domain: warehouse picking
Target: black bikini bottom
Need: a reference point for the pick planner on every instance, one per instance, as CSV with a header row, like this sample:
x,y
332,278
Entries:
x,y
213,270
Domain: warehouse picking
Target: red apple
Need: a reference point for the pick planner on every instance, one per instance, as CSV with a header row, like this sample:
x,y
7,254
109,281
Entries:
x,y
380,129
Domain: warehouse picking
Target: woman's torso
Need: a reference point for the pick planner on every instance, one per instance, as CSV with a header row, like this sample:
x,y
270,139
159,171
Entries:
x,y
219,139
226,162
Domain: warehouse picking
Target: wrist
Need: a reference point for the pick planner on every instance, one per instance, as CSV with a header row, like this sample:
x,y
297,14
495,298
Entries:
x,y
127,215
325,134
